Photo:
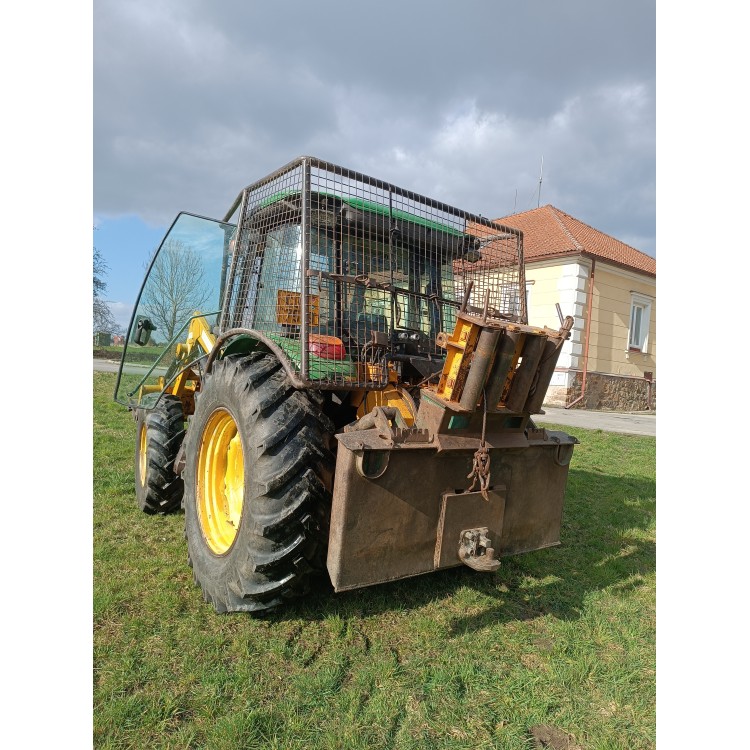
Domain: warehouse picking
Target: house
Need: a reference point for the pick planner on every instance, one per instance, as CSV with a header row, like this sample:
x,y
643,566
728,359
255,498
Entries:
x,y
610,289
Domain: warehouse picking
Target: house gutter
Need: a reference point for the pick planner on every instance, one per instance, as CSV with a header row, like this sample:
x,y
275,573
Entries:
x,y
588,335
590,256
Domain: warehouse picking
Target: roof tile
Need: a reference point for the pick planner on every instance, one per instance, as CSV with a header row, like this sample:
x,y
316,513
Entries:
x,y
548,232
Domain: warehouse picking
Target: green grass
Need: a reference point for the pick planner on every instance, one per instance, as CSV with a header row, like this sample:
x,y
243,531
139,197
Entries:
x,y
456,659
146,354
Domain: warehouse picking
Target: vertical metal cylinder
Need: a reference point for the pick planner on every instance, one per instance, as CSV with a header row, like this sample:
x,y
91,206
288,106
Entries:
x,y
524,376
547,364
501,368
480,367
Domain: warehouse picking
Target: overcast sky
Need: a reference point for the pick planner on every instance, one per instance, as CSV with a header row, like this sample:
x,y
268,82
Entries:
x,y
193,100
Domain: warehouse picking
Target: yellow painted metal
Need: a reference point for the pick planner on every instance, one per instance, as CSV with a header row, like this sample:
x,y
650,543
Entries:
x,y
393,395
157,387
372,372
289,308
186,383
143,453
220,481
459,347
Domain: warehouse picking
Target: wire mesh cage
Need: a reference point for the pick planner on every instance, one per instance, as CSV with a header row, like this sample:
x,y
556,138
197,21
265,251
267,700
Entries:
x,y
347,276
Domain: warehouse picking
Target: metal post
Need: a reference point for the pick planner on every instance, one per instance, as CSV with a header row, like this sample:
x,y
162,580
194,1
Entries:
x,y
304,331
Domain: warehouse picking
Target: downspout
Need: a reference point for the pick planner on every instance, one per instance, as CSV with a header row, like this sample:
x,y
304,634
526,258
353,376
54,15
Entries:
x,y
648,377
588,335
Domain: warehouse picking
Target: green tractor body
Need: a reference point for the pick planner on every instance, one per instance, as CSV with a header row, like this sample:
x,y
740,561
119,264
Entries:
x,y
357,374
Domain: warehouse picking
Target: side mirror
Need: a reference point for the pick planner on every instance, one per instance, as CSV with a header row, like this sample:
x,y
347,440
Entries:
x,y
143,328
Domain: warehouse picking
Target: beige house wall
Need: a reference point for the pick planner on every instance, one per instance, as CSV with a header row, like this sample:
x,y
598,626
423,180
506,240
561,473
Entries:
x,y
615,374
610,323
568,284
543,293
564,282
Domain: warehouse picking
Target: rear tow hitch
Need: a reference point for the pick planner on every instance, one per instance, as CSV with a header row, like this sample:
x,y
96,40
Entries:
x,y
474,550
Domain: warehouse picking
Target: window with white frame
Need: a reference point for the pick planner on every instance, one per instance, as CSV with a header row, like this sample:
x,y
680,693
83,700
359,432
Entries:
x,y
640,320
510,300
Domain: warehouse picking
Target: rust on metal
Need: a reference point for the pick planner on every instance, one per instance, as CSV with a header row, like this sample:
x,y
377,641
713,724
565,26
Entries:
x,y
513,362
387,527
460,511
481,362
531,355
480,470
475,551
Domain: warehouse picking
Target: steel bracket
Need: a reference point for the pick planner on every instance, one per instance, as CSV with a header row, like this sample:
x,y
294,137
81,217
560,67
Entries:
x,y
475,551
411,435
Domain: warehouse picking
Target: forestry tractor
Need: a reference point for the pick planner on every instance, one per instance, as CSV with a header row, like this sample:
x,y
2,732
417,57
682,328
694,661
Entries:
x,y
339,376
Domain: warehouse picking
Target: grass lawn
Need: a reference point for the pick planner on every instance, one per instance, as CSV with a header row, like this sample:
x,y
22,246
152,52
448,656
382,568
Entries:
x,y
563,637
147,354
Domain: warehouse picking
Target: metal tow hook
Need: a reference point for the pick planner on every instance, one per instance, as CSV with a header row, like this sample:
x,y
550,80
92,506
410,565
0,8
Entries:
x,y
474,550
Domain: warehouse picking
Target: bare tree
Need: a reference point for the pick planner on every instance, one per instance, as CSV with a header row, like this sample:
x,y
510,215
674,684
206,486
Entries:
x,y
104,321
175,288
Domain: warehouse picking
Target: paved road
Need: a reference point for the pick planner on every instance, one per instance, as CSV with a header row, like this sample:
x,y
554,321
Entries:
x,y
609,421
629,424
109,365
105,365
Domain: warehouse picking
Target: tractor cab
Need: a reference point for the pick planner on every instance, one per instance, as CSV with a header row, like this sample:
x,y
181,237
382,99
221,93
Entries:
x,y
381,286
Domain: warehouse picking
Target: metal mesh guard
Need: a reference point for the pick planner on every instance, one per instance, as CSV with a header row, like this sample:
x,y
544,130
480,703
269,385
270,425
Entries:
x,y
344,275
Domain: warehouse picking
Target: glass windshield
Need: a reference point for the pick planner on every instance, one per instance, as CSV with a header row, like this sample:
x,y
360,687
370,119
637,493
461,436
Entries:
x,y
184,283
350,296
421,283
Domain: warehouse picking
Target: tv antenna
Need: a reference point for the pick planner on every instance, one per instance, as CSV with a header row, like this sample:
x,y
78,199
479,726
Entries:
x,y
541,172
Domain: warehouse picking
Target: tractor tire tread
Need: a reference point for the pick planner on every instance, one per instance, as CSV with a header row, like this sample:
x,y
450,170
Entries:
x,y
165,426
288,443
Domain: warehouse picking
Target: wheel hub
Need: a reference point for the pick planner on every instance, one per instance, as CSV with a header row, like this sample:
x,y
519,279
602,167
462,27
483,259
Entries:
x,y
220,481
143,455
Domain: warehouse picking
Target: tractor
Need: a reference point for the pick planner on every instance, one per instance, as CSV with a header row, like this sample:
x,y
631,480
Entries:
x,y
337,379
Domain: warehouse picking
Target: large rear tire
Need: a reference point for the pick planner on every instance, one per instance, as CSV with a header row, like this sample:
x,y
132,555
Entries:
x,y
159,434
258,477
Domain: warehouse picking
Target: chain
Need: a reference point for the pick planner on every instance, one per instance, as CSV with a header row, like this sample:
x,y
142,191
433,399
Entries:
x,y
480,469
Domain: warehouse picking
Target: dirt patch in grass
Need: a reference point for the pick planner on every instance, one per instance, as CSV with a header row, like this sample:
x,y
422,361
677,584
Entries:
x,y
552,738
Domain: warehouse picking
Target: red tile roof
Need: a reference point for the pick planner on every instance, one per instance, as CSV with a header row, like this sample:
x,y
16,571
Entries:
x,y
549,232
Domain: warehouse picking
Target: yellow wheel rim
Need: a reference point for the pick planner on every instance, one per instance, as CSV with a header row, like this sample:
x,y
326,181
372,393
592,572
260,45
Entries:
x,y
143,454
220,483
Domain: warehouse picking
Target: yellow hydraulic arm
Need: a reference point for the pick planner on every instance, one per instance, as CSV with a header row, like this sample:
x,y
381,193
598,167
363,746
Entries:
x,y
187,382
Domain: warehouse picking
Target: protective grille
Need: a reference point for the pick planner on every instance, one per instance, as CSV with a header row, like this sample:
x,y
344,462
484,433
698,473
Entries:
x,y
347,276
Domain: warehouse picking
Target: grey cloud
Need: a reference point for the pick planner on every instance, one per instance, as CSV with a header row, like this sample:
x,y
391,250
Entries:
x,y
194,100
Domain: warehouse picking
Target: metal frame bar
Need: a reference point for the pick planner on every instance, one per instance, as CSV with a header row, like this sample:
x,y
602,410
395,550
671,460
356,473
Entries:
x,y
359,224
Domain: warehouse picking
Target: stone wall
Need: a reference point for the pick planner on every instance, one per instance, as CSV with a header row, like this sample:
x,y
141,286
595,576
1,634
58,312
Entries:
x,y
604,392
557,395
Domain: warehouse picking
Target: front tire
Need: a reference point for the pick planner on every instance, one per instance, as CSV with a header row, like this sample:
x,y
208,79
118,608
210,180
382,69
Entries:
x,y
158,437
258,477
